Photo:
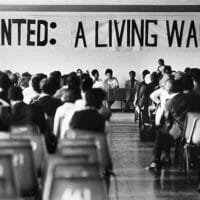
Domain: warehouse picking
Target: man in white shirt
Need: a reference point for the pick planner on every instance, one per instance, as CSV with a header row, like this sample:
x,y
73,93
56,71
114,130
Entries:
x,y
69,98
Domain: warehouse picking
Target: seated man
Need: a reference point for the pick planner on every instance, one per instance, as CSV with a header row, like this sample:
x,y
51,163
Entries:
x,y
46,101
24,114
90,119
130,84
68,97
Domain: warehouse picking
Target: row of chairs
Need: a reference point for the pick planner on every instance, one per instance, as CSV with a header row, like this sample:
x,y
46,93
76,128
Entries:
x,y
80,169
190,143
22,157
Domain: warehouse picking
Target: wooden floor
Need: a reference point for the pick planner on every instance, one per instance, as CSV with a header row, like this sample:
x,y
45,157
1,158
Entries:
x,y
130,156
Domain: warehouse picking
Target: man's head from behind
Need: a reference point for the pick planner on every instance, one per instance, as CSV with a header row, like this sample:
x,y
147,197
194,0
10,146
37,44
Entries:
x,y
69,96
15,94
48,86
94,97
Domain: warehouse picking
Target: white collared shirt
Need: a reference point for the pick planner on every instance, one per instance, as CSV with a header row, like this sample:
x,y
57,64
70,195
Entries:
x,y
61,113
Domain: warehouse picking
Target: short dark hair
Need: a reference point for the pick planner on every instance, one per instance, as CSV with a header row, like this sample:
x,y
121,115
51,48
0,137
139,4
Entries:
x,y
145,72
35,82
73,81
167,69
109,71
49,86
15,93
14,79
195,72
132,72
161,61
187,82
86,84
94,97
69,95
5,82
55,74
64,79
94,71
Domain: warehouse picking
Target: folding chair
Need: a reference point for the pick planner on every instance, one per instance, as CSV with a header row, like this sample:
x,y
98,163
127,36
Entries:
x,y
101,142
104,152
8,188
55,160
69,181
38,146
192,137
90,150
23,164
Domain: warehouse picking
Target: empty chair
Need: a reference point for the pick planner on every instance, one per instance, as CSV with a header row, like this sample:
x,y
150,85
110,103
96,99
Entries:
x,y
55,160
191,135
73,149
38,147
82,169
102,144
70,181
78,188
23,163
8,187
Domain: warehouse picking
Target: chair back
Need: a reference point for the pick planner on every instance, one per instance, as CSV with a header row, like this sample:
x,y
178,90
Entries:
x,y
82,181
25,129
55,160
102,144
38,147
191,125
23,164
8,187
83,188
90,150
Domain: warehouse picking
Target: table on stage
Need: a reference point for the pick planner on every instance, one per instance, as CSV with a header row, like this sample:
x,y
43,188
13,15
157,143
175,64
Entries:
x,y
121,94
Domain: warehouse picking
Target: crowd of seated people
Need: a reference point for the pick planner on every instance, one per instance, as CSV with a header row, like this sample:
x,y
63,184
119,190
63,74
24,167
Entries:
x,y
51,101
171,95
58,103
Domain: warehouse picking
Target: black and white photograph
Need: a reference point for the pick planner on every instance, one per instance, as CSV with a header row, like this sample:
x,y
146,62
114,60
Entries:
x,y
99,99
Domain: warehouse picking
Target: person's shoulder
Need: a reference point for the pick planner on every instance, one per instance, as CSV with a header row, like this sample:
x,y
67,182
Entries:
x,y
80,104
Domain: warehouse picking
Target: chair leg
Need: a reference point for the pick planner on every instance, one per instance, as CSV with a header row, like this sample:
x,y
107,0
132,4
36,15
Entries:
x,y
187,159
181,153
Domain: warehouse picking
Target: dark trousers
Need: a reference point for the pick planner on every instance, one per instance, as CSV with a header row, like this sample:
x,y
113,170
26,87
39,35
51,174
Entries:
x,y
163,143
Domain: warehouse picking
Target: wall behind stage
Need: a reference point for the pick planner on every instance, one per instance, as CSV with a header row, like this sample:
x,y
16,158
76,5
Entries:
x,y
28,56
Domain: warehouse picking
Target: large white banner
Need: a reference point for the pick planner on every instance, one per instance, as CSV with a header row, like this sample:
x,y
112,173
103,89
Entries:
x,y
99,32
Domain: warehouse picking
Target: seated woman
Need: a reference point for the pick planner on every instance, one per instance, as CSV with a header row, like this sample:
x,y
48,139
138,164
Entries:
x,y
90,119
110,83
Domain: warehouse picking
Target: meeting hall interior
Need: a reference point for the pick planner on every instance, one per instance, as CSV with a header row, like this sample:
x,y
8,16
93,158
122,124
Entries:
x,y
99,100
